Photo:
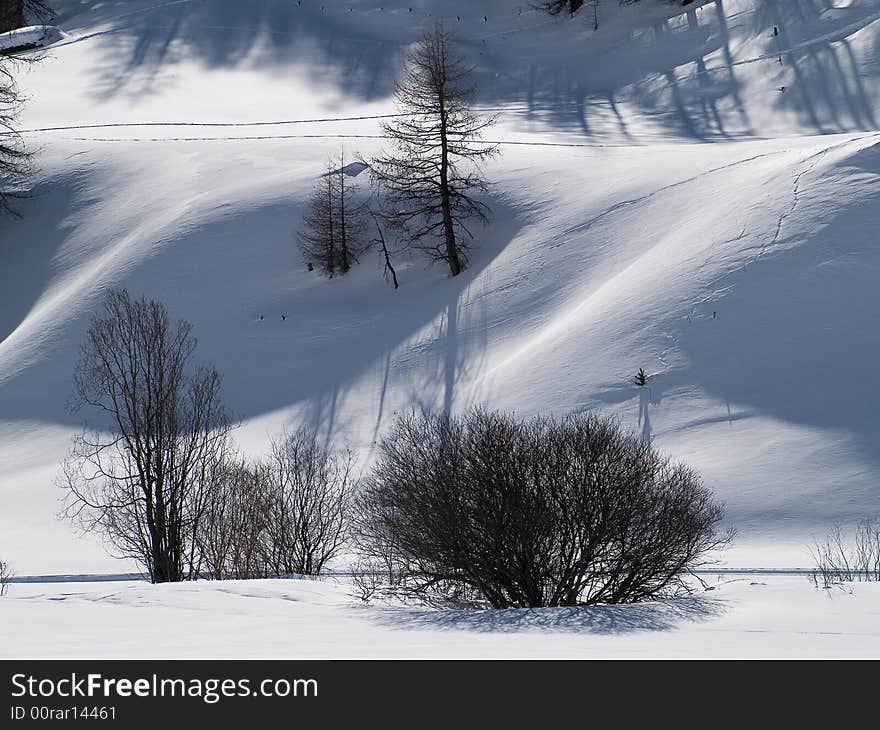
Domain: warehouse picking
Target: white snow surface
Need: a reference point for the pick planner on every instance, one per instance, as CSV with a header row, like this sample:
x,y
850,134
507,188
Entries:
x,y
682,191
760,616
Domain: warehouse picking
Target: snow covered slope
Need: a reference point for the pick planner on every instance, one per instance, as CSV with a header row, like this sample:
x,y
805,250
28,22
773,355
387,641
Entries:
x,y
682,191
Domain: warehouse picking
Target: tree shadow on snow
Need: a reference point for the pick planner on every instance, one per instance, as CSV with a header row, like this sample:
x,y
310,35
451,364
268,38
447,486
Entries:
x,y
677,73
28,247
831,91
795,331
333,332
619,619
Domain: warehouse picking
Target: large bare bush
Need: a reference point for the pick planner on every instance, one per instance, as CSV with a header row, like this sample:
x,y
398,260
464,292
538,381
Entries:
x,y
490,508
141,475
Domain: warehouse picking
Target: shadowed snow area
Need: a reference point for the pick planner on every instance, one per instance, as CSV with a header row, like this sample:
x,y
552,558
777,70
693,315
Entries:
x,y
682,191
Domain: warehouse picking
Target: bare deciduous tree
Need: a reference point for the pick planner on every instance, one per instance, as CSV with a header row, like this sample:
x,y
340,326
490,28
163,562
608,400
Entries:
x,y
489,508
333,236
15,159
141,477
428,181
311,489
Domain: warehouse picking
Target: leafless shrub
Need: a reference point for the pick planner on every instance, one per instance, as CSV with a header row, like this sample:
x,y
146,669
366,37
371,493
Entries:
x,y
488,508
310,491
232,532
6,576
141,477
287,515
843,558
368,578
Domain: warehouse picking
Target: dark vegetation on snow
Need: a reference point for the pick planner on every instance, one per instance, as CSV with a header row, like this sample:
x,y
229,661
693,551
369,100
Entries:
x,y
478,508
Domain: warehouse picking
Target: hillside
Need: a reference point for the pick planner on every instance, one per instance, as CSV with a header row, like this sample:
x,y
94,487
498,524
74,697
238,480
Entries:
x,y
681,191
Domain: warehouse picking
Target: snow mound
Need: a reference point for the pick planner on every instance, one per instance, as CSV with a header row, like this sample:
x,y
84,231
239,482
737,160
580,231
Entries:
x,y
352,169
31,36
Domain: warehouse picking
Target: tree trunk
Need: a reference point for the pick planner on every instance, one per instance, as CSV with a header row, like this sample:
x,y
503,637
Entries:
x,y
344,263
389,269
448,227
331,253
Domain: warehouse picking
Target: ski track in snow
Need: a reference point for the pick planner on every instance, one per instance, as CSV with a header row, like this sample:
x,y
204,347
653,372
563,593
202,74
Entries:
x,y
715,291
814,160
642,198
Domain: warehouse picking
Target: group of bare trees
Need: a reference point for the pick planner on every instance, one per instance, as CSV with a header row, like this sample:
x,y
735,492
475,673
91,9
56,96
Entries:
x,y
156,475
286,515
481,507
425,185
335,226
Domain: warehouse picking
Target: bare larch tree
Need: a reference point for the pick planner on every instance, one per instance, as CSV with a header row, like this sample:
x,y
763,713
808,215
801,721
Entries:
x,y
335,224
317,238
142,476
429,179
